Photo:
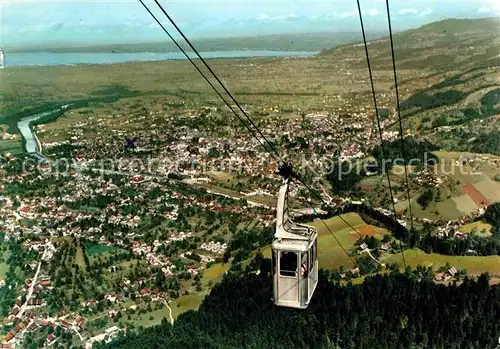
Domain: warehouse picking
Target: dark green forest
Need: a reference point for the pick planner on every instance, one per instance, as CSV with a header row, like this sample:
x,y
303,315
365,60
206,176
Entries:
x,y
492,214
417,152
390,311
486,143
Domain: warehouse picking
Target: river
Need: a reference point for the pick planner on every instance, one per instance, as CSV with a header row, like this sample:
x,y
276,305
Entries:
x,y
31,144
20,59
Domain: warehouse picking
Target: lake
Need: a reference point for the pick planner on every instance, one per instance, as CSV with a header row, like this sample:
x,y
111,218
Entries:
x,y
20,59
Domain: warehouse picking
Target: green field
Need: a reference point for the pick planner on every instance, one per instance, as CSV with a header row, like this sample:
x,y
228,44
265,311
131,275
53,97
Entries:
x,y
474,265
478,227
330,254
11,146
92,249
158,315
4,268
189,302
215,272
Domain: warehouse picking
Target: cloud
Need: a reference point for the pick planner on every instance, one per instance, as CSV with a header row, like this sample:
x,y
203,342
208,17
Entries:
x,y
324,17
43,27
489,7
289,16
371,12
347,14
354,12
262,17
407,11
413,11
425,12
285,17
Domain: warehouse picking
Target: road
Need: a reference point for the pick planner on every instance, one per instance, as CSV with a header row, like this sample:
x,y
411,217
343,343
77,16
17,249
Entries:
x,y
187,181
76,331
169,311
170,314
33,283
326,193
375,259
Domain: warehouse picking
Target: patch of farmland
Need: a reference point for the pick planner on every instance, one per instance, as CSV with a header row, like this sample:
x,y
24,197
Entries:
x,y
465,204
490,189
476,196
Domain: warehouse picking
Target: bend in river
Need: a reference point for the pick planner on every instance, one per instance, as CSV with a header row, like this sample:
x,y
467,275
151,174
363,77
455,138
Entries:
x,y
31,141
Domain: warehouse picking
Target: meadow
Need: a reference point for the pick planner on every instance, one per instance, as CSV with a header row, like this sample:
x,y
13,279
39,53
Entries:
x,y
4,267
473,264
185,303
331,255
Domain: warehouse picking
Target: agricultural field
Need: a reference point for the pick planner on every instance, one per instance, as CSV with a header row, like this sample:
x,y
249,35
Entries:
x,y
96,251
489,189
479,228
464,189
330,254
474,265
185,303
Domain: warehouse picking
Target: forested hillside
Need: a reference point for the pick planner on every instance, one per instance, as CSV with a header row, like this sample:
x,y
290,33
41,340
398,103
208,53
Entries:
x,y
390,311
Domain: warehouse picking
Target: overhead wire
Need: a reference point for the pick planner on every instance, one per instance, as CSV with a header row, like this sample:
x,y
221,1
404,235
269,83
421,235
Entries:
x,y
204,76
381,138
401,134
326,204
328,228
229,94
215,76
241,109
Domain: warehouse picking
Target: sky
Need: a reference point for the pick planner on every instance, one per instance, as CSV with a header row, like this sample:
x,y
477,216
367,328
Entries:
x,y
38,22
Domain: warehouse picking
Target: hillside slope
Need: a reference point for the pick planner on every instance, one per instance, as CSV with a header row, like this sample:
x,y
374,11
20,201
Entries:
x,y
437,46
385,312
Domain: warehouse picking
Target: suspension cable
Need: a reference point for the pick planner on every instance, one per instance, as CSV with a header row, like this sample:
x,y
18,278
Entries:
x,y
399,112
327,227
240,108
234,100
215,76
385,169
205,77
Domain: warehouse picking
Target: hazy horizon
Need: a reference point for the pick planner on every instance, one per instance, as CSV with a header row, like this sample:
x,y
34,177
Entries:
x,y
95,23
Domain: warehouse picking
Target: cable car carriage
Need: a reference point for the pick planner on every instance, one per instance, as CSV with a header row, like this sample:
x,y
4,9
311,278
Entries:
x,y
294,257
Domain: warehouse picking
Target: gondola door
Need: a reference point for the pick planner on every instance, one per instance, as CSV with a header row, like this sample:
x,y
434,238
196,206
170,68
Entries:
x,y
304,278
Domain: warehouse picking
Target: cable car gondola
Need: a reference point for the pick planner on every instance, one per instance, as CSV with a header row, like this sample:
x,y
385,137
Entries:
x,y
294,257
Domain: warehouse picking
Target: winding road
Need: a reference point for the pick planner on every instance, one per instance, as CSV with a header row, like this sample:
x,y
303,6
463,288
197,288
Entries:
x,y
169,311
